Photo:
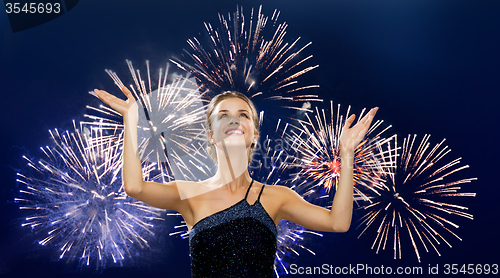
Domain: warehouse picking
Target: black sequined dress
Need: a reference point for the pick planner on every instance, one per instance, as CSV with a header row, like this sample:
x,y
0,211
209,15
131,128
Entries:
x,y
239,241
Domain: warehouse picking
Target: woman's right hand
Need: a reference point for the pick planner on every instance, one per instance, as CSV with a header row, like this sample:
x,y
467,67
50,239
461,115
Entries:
x,y
128,109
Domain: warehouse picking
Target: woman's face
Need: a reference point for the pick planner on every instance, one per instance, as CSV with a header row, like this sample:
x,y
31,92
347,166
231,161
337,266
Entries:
x,y
232,123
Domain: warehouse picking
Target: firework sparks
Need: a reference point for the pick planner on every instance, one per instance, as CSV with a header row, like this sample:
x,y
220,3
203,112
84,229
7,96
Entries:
x,y
248,57
416,197
170,129
76,196
317,147
291,237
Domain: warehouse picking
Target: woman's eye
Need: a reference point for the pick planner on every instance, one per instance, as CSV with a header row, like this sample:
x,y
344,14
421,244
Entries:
x,y
244,115
222,116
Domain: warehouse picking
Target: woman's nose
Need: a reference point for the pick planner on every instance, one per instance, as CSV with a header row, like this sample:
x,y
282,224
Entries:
x,y
234,120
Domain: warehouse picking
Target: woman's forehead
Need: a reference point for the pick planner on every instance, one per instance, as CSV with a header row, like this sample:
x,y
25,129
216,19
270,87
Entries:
x,y
232,104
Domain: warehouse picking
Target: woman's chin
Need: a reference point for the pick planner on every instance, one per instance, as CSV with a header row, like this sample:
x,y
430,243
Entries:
x,y
235,141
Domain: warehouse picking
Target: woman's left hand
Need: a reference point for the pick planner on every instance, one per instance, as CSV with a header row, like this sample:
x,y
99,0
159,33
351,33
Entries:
x,y
352,136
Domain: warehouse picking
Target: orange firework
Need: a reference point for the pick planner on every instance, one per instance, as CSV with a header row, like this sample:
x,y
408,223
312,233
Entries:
x,y
317,148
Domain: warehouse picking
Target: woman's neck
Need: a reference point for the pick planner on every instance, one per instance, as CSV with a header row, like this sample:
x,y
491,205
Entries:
x,y
234,185
232,170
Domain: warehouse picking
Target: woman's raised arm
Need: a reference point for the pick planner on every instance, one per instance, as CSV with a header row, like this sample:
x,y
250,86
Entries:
x,y
159,195
338,219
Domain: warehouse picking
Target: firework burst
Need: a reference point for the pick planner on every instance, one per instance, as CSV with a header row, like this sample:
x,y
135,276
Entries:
x,y
76,197
317,154
250,57
416,199
170,129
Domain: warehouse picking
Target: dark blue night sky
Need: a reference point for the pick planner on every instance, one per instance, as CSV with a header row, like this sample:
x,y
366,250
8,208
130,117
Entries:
x,y
432,66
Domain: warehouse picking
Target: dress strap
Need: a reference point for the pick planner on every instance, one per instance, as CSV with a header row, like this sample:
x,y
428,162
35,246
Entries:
x,y
248,190
262,189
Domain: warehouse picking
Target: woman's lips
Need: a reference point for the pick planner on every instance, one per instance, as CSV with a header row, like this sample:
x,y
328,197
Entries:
x,y
234,131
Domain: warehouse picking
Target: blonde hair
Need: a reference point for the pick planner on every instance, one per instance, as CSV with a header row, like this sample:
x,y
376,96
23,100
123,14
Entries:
x,y
210,109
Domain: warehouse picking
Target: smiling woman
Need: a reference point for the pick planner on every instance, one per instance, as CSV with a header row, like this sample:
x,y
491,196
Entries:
x,y
247,113
231,218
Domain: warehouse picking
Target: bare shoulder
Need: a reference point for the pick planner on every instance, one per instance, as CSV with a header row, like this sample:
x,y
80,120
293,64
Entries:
x,y
275,198
278,193
279,190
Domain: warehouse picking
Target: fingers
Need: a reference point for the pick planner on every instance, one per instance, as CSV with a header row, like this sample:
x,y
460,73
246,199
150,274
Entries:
x,y
373,111
110,99
351,137
366,122
367,119
349,121
127,93
103,95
